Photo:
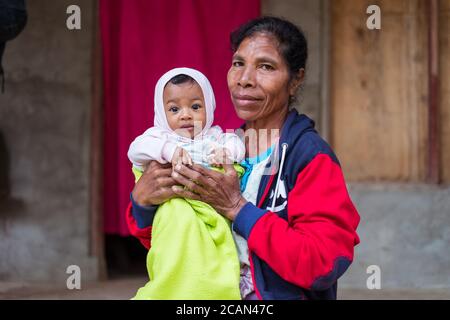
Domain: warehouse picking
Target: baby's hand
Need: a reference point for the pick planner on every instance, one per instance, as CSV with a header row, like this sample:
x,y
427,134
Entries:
x,y
181,156
219,156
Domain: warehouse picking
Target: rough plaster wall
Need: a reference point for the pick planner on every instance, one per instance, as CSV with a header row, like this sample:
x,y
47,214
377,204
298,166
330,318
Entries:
x,y
44,120
405,230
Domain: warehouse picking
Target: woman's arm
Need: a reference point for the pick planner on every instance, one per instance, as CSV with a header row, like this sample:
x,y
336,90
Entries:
x,y
315,246
139,221
153,188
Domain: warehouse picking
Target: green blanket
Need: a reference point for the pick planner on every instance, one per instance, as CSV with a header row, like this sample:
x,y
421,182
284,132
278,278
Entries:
x,y
193,255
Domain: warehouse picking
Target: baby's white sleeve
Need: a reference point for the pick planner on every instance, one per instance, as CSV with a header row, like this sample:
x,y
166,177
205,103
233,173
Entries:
x,y
153,144
235,146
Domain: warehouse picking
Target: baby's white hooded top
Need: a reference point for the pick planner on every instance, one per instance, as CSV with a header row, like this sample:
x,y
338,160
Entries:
x,y
159,142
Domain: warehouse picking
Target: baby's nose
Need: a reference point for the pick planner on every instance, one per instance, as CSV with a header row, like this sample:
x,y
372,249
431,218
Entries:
x,y
186,114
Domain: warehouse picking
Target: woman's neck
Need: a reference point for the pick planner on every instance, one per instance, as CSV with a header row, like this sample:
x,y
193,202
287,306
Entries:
x,y
263,133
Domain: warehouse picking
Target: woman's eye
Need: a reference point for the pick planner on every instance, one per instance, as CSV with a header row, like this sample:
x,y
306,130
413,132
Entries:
x,y
173,109
266,67
196,106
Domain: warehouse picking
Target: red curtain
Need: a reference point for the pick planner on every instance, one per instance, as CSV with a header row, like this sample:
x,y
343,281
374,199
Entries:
x,y
141,40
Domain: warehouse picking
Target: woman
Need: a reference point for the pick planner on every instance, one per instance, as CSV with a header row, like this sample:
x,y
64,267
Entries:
x,y
294,222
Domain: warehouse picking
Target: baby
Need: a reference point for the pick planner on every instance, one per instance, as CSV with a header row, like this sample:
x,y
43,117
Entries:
x,y
192,254
183,131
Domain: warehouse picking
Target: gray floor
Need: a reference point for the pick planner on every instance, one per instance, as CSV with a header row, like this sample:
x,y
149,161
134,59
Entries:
x,y
125,289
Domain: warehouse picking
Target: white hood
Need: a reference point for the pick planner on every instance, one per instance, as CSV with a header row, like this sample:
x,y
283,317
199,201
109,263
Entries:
x,y
160,120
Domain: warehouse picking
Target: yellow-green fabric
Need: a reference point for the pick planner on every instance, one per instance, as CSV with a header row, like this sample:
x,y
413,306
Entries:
x,y
193,255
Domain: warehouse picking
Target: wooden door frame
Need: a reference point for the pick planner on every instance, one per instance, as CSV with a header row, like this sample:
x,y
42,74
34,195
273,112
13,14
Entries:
x,y
434,157
325,79
96,235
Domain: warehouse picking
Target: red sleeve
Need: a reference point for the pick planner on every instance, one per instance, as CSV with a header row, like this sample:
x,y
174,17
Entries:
x,y
143,234
315,246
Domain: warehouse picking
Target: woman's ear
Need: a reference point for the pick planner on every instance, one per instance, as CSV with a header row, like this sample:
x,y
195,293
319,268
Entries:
x,y
296,81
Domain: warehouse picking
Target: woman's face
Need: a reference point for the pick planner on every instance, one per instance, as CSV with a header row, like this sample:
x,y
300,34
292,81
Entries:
x,y
258,79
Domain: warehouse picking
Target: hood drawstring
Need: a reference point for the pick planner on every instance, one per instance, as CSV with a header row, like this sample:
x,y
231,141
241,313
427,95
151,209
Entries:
x,y
284,147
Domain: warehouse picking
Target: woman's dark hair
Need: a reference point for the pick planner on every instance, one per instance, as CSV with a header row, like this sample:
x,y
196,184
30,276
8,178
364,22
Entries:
x,y
181,78
292,42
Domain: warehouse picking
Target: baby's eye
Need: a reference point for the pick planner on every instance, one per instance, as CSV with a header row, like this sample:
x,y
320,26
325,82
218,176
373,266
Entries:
x,y
196,106
173,109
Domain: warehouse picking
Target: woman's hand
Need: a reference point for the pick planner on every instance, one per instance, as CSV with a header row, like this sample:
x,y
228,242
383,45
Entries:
x,y
220,190
155,185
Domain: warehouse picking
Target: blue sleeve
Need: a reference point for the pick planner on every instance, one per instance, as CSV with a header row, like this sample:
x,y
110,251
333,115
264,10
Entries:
x,y
143,215
246,219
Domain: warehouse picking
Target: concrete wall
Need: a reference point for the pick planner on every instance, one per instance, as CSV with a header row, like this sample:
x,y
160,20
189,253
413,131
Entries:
x,y
405,231
45,124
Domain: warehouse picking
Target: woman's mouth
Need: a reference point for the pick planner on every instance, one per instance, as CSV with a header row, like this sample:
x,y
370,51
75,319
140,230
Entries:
x,y
245,100
245,97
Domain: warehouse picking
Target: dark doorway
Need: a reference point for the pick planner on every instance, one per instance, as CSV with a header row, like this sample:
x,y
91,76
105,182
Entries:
x,y
125,257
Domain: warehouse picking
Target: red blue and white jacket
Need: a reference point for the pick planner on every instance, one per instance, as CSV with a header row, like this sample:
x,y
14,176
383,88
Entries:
x,y
303,242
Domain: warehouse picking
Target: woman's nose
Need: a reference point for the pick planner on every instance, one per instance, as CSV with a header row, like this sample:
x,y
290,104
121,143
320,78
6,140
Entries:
x,y
247,78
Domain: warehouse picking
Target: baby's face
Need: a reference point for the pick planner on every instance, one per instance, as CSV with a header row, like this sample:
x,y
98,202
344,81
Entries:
x,y
184,105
